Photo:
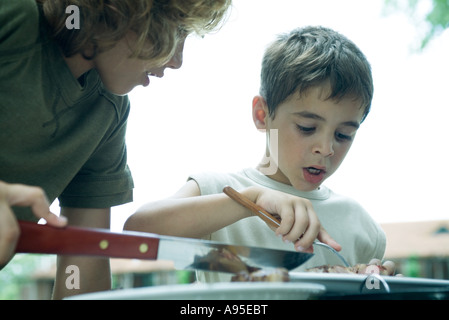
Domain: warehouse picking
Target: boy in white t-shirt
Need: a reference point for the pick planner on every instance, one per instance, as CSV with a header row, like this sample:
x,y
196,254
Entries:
x,y
316,90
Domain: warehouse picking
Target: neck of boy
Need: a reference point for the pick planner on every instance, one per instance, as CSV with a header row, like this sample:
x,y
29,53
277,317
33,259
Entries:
x,y
78,65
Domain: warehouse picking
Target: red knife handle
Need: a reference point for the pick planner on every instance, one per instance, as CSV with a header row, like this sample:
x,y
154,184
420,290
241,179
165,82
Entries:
x,y
35,238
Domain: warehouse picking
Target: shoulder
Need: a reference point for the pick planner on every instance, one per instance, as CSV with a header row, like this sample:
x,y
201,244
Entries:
x,y
354,227
19,10
213,182
358,217
347,209
20,23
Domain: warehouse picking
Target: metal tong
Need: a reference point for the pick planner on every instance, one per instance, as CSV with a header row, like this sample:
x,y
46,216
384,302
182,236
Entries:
x,y
270,219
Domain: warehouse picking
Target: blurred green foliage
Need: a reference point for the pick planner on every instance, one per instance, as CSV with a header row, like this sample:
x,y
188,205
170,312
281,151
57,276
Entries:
x,y
19,272
436,15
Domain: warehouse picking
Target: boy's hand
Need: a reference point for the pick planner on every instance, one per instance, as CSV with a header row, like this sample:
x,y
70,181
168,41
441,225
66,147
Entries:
x,y
389,266
21,195
299,222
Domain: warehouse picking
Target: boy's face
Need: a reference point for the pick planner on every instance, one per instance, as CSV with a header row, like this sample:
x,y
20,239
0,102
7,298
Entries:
x,y
120,74
314,136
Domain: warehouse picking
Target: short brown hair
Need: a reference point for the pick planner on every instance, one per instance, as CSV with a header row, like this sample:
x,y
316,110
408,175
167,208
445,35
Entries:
x,y
159,22
312,56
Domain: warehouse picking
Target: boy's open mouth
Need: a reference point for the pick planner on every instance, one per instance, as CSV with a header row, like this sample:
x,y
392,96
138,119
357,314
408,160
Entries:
x,y
314,175
314,171
151,74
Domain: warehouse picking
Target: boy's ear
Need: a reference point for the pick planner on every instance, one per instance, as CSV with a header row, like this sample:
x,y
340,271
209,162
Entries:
x,y
260,112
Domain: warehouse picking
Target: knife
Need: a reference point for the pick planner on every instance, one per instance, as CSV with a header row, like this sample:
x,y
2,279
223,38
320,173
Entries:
x,y
186,253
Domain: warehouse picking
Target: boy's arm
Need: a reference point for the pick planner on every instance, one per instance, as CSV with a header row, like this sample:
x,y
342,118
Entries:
x,y
93,273
188,214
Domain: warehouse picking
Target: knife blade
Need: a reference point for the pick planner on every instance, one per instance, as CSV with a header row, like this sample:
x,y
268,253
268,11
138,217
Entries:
x,y
184,252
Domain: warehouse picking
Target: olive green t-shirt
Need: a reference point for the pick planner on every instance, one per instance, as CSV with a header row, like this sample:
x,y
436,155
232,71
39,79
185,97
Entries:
x,y
55,133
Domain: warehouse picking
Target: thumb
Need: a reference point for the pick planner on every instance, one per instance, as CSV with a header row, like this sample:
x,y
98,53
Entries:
x,y
326,238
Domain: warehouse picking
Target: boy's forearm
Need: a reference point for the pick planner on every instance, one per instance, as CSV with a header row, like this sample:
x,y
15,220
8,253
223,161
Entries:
x,y
192,217
76,275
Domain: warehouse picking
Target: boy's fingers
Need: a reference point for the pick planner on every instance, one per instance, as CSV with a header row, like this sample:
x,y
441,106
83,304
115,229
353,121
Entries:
x,y
287,214
54,220
390,266
23,195
322,236
41,209
307,236
375,261
326,238
34,197
300,229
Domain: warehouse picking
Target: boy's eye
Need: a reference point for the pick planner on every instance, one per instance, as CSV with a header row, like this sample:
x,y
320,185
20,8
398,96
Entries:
x,y
305,129
343,137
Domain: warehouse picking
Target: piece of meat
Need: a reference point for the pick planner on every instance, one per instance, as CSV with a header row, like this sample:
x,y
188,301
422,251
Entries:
x,y
226,261
263,275
360,268
371,268
222,260
331,269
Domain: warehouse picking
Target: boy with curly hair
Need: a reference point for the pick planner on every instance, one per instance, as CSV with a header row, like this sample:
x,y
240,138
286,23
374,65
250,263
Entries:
x,y
64,108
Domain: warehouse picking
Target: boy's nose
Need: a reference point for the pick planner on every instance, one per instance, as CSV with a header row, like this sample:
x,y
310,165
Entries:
x,y
324,148
176,61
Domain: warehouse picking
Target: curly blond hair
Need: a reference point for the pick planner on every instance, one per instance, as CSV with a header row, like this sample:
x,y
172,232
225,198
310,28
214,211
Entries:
x,y
160,23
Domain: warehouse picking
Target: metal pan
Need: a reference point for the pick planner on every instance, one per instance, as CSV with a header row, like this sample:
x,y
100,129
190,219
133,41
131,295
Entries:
x,y
349,286
214,291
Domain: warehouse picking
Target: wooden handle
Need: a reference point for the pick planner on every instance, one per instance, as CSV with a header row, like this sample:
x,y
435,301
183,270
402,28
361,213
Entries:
x,y
35,238
258,210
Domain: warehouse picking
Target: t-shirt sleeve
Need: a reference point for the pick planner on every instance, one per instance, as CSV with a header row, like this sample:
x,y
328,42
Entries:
x,y
214,182
372,242
105,179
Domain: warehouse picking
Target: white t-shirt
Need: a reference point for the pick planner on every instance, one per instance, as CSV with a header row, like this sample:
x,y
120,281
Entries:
x,y
345,220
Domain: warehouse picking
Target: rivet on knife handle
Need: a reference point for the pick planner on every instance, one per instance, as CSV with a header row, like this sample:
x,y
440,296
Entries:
x,y
143,248
104,244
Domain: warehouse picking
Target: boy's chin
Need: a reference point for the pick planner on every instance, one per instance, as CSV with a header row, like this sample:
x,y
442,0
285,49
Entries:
x,y
119,90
